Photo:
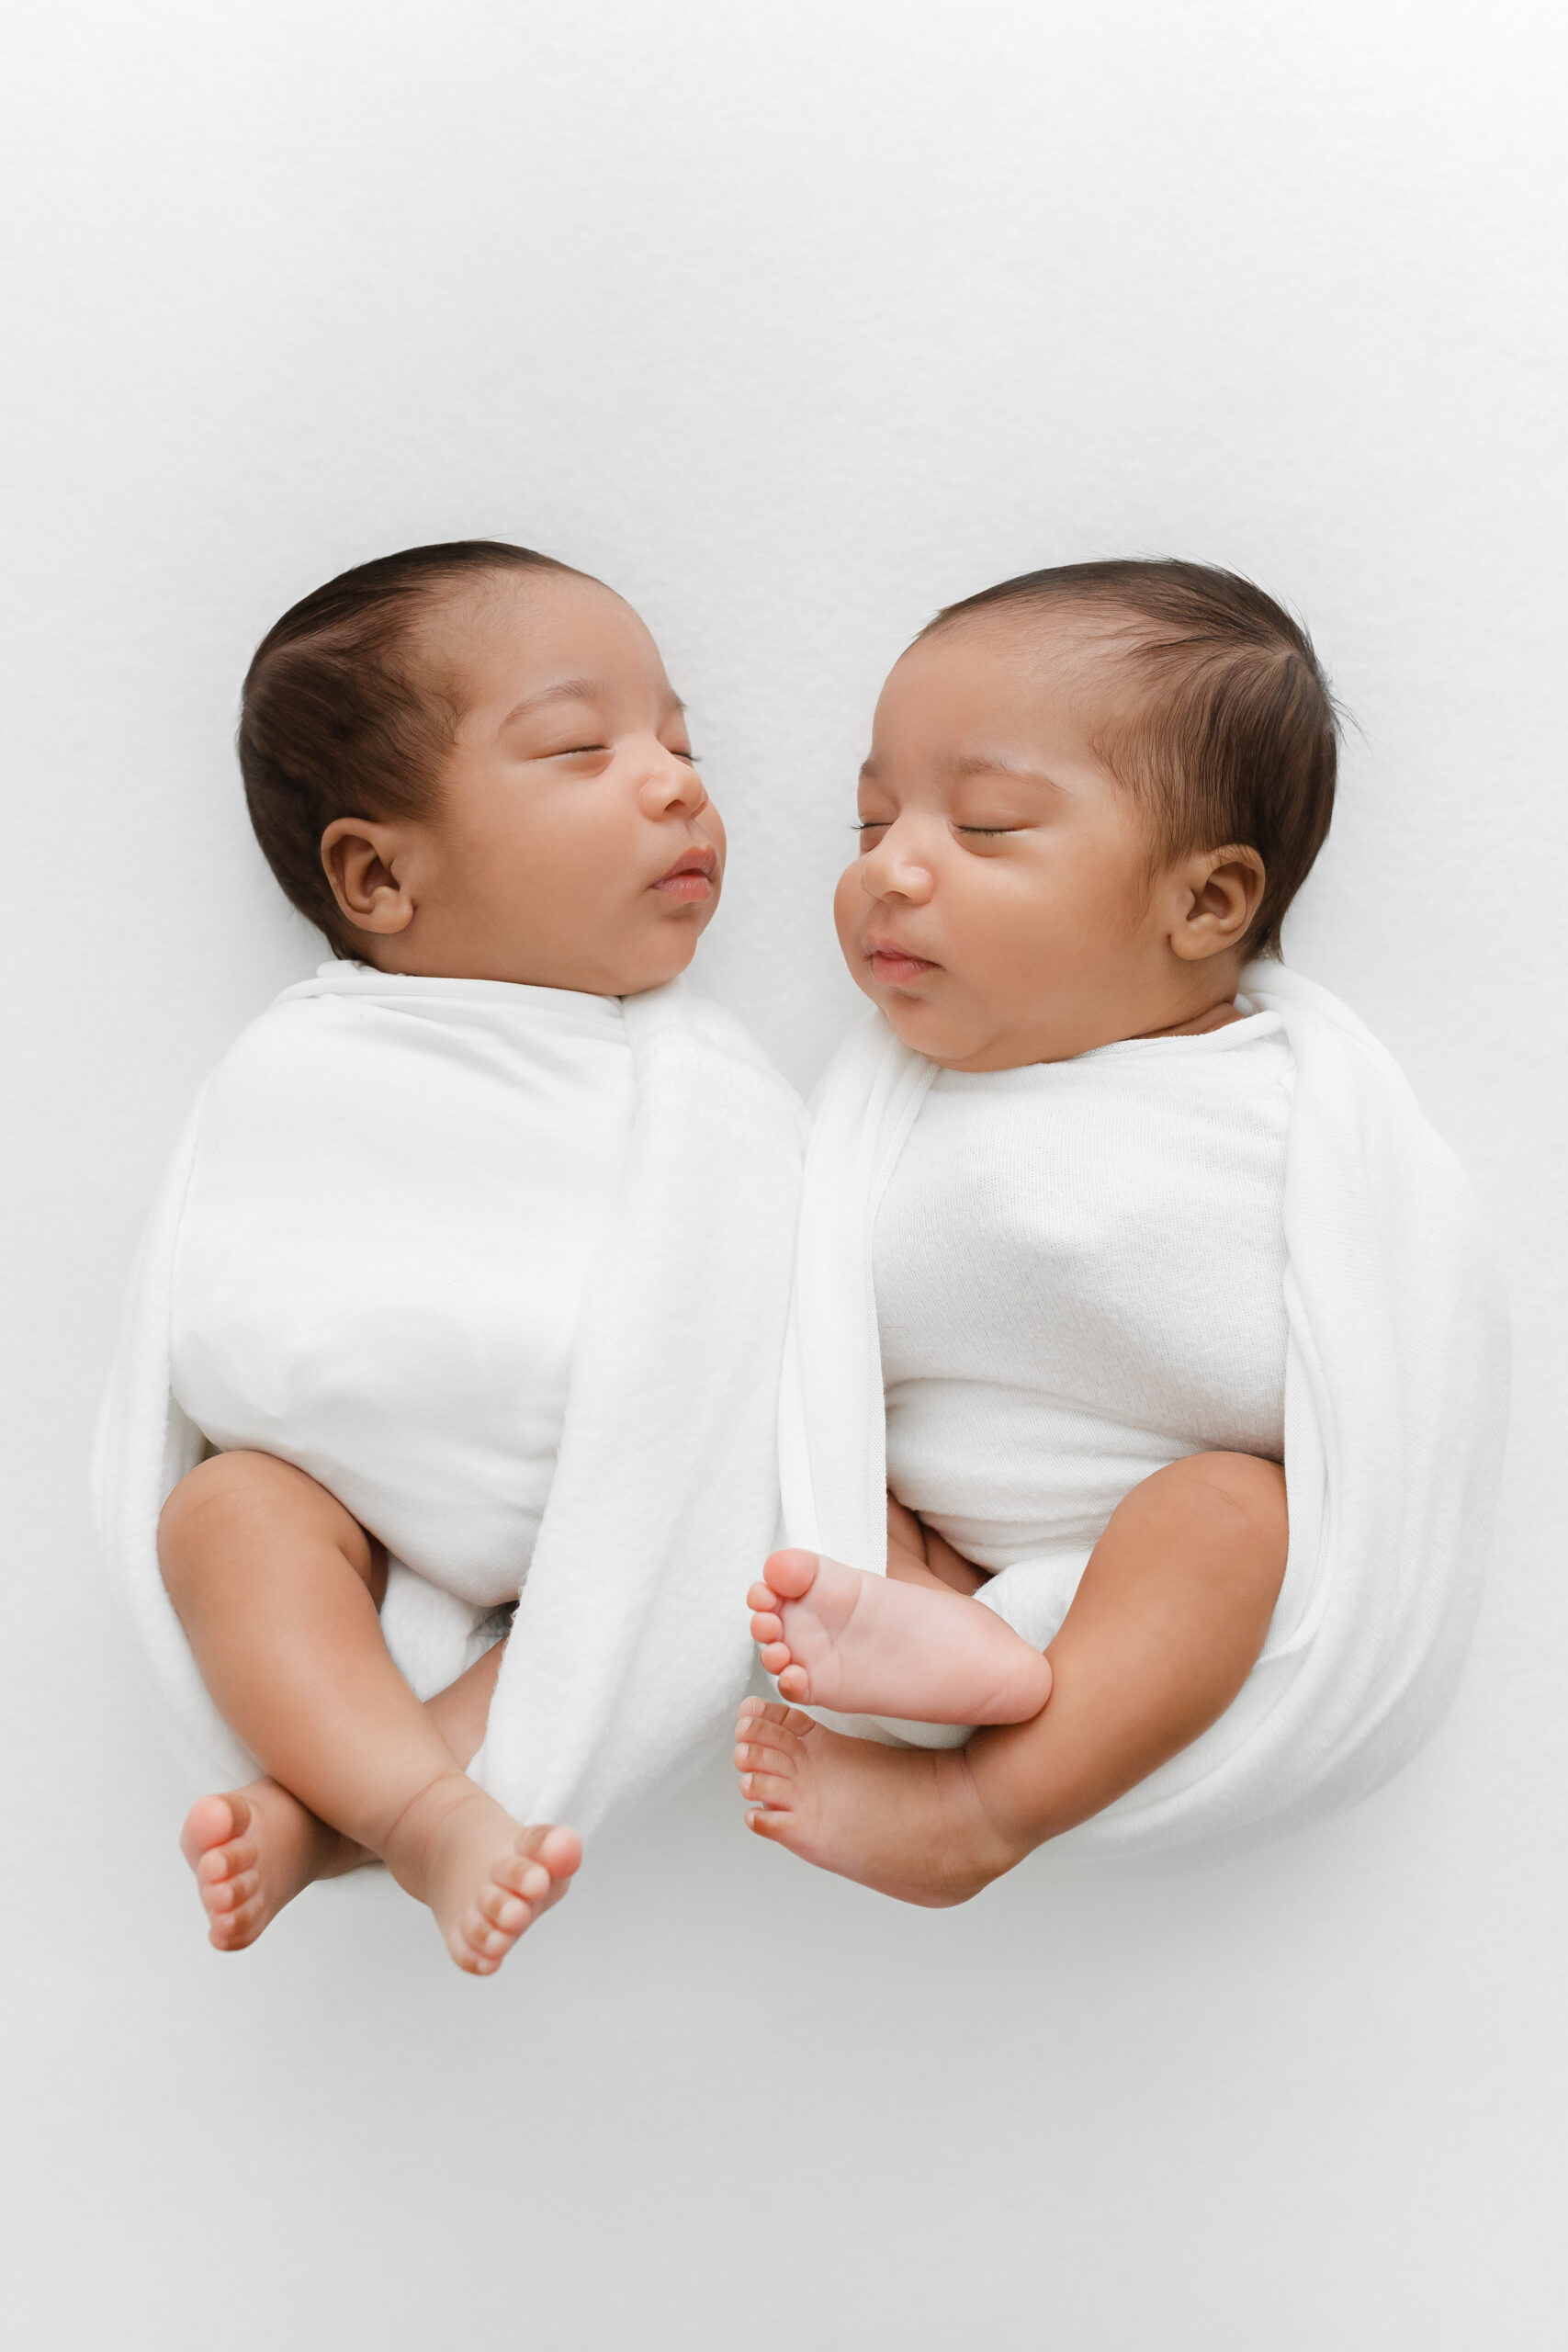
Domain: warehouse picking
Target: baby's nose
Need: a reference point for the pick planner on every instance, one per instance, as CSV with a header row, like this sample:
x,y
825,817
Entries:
x,y
890,871
673,784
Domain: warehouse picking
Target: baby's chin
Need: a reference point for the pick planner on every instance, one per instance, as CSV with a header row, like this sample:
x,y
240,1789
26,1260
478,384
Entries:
x,y
662,953
925,1028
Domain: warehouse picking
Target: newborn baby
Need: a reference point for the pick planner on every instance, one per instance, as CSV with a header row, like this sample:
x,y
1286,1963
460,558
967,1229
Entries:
x,y
1091,795
466,765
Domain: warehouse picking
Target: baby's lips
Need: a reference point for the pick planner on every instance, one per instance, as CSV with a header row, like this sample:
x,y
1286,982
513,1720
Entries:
x,y
694,873
896,958
701,858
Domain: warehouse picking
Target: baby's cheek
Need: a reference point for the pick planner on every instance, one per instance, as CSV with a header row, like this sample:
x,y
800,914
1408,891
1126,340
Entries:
x,y
848,900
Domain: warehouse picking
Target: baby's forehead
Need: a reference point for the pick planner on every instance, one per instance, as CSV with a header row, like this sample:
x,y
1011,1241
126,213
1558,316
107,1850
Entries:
x,y
503,632
1048,639
476,613
1039,665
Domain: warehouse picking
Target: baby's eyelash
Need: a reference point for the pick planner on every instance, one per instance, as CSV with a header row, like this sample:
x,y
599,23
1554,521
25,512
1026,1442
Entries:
x,y
986,829
868,824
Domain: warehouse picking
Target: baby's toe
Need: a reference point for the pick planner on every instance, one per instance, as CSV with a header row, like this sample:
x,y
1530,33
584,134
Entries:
x,y
766,1626
523,1874
561,1850
245,1924
761,1715
776,1656
792,1680
232,1930
777,1789
768,1743
476,1942
499,1907
226,1861
213,1821
791,1573
232,1893
552,1845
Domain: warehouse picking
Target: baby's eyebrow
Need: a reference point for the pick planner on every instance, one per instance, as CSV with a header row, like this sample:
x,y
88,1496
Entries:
x,y
968,763
581,689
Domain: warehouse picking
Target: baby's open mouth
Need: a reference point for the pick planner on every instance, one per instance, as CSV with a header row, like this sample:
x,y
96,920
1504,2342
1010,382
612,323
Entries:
x,y
691,876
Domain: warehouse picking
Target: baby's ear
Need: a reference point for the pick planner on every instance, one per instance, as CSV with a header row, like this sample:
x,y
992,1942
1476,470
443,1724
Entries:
x,y
365,862
1223,889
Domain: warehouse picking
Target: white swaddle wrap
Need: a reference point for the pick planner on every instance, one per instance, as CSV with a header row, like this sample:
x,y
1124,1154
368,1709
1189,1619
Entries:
x,y
1394,1410
506,1269
1079,1277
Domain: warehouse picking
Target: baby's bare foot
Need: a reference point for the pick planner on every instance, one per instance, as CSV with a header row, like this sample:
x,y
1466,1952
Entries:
x,y
253,1850
835,1637
905,1821
485,1879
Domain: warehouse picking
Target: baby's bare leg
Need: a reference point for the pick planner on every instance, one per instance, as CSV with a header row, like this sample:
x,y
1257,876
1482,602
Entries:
x,y
1166,1625
252,1850
277,1587
461,1711
918,1554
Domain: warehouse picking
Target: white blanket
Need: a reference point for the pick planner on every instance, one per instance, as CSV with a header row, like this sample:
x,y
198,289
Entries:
x,y
629,1647
1396,1406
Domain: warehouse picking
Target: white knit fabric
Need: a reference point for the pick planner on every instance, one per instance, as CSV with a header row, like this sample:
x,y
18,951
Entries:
x,y
1394,1414
385,1246
1079,1274
510,1275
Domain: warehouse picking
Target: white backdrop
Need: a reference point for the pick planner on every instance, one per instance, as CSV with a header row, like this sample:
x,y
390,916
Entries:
x,y
794,322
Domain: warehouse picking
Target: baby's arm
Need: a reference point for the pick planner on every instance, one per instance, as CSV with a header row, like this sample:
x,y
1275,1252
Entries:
x,y
1166,1623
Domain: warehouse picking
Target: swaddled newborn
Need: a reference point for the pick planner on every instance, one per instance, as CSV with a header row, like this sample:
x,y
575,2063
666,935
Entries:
x,y
1079,1271
430,1401
433,1296
1048,1312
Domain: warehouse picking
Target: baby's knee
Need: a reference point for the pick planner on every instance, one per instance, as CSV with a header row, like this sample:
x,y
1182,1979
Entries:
x,y
1239,1503
219,1510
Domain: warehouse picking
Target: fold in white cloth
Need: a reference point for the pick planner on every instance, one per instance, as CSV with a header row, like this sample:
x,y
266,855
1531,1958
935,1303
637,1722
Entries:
x,y
552,1369
1394,1414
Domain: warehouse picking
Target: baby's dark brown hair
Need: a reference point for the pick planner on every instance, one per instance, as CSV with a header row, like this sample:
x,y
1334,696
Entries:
x,y
1233,735
334,722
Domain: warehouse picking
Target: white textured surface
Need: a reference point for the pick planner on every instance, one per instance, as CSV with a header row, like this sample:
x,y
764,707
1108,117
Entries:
x,y
794,322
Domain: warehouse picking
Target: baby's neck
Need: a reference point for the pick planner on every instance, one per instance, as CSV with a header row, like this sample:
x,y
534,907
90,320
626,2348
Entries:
x,y
1217,1017
1188,1012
